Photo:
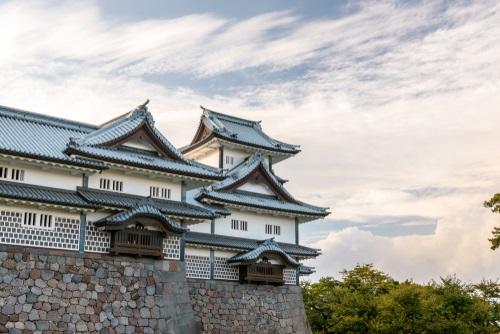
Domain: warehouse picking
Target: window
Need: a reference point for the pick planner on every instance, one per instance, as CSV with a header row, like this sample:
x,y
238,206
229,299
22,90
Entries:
x,y
117,185
15,174
108,184
241,225
154,191
277,229
29,219
160,192
269,229
273,229
44,221
4,172
234,224
229,160
104,184
165,193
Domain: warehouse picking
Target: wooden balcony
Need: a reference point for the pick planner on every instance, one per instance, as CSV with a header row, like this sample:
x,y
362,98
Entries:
x,y
264,273
137,242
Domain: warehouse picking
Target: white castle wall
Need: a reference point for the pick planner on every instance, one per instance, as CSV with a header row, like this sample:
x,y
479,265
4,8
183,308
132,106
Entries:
x,y
42,175
137,184
210,159
256,188
200,227
256,226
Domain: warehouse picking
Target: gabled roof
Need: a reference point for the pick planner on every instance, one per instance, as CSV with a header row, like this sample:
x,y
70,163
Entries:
x,y
306,270
34,193
124,201
236,130
106,143
118,130
42,137
255,169
266,247
224,241
118,220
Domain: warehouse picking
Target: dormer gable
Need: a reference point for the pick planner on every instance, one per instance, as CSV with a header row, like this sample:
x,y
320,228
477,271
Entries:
x,y
226,131
135,129
254,176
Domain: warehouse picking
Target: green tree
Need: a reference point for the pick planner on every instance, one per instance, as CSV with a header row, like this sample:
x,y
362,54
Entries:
x,y
366,300
494,205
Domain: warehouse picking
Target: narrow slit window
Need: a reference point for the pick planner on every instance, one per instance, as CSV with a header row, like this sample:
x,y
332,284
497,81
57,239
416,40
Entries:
x,y
29,219
3,172
234,224
277,230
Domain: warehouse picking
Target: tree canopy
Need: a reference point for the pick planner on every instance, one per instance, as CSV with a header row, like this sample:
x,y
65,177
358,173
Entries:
x,y
366,300
494,205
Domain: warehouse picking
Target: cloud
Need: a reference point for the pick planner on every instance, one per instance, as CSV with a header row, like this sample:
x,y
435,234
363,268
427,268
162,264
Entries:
x,y
457,247
395,105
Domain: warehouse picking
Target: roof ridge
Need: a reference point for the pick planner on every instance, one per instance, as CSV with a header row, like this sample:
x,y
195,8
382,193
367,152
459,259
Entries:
x,y
46,119
232,118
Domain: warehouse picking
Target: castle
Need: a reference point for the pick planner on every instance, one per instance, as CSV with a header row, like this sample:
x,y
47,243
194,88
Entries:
x,y
120,196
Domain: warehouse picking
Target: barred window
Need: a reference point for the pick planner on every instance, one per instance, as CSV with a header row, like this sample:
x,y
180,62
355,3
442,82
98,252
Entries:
x,y
4,172
15,174
273,229
29,219
241,225
117,185
104,184
234,224
108,184
45,221
158,192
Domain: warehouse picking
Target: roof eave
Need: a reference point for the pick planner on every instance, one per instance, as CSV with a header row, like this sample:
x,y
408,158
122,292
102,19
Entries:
x,y
144,167
203,196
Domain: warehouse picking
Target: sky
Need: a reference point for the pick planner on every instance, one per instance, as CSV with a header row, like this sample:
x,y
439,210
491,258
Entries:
x,y
395,105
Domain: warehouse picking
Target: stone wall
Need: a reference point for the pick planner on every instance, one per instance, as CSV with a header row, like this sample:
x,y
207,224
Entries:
x,y
229,307
48,291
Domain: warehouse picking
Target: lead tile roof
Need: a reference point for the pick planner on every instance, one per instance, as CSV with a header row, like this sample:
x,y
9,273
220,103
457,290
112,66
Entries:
x,y
218,191
241,131
264,248
140,210
121,200
217,240
28,192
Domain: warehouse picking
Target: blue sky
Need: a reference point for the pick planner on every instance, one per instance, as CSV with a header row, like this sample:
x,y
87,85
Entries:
x,y
395,104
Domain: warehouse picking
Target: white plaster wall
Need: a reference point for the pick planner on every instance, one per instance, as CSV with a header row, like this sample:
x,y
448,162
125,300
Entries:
x,y
211,159
238,155
256,188
256,226
140,145
43,176
137,184
200,227
224,254
197,251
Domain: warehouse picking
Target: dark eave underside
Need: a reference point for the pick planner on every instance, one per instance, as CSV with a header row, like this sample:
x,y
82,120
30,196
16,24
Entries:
x,y
143,165
215,240
125,201
27,192
213,135
266,204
